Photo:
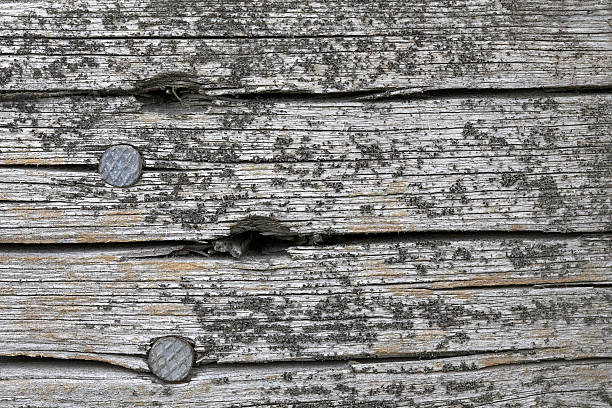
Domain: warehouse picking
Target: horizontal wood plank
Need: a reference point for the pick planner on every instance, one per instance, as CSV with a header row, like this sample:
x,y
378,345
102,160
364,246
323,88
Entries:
x,y
303,46
365,299
303,18
504,379
317,167
514,130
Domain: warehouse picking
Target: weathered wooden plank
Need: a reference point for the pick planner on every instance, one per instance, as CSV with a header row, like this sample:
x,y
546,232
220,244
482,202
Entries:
x,y
72,206
366,299
155,18
514,130
226,66
361,46
496,380
480,163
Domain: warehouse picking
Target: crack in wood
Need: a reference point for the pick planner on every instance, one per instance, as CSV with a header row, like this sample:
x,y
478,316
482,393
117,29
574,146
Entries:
x,y
530,357
169,90
285,142
263,241
539,378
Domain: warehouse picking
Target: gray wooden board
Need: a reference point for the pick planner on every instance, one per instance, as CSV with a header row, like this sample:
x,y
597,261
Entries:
x,y
318,167
492,380
302,18
304,46
512,129
372,298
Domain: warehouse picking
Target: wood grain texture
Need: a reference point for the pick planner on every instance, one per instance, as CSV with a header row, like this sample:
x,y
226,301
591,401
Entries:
x,y
263,202
499,380
300,46
384,298
317,167
512,130
304,18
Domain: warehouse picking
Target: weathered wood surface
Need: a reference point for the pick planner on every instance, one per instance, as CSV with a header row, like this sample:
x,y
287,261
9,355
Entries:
x,y
304,46
303,18
365,299
494,380
317,167
515,130
358,117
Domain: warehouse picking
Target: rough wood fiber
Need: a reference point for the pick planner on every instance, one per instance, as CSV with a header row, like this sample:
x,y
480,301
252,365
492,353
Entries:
x,y
301,46
474,163
300,165
500,380
303,18
367,299
502,132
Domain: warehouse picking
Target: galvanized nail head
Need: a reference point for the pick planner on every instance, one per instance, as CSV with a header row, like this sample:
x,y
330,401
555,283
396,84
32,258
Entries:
x,y
120,165
171,358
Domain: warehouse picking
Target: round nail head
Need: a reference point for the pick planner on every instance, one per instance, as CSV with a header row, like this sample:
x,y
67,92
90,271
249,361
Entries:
x,y
120,165
171,358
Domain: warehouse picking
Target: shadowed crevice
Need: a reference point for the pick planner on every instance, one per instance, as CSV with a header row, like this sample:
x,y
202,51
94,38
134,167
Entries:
x,y
275,232
519,357
184,90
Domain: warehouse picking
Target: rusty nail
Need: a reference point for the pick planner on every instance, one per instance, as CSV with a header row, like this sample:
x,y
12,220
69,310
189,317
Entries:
x,y
171,358
120,165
